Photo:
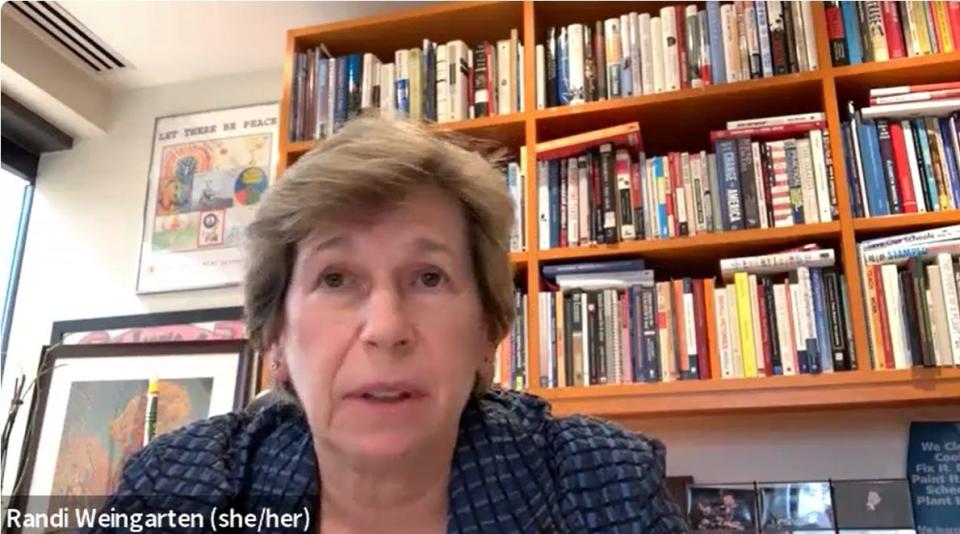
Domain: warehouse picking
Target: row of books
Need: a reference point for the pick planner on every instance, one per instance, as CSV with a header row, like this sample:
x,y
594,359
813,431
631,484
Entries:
x,y
903,152
911,284
615,322
600,187
437,82
510,359
641,53
880,30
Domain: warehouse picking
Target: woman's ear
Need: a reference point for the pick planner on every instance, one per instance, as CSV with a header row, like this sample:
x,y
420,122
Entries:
x,y
278,364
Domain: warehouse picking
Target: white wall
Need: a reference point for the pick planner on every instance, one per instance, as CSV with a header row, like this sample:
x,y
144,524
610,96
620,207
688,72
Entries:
x,y
83,241
81,262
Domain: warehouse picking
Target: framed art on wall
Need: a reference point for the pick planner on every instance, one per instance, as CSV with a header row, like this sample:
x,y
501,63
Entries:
x,y
207,173
88,416
186,325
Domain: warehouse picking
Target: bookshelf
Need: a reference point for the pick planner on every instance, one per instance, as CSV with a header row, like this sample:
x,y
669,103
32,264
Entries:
x,y
678,120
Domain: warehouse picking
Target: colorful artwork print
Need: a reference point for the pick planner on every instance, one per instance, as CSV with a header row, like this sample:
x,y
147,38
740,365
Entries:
x,y
208,172
104,427
202,184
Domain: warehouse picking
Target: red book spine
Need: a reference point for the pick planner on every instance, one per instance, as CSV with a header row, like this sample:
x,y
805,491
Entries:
x,y
908,197
768,132
680,17
700,318
891,25
765,331
953,11
884,318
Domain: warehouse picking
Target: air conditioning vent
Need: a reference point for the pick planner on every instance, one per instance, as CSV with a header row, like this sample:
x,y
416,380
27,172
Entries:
x,y
74,38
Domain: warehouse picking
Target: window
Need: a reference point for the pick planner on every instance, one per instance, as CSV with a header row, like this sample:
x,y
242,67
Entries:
x,y
15,199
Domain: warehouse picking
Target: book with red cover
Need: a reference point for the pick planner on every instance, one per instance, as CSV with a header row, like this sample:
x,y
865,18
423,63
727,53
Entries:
x,y
908,197
701,319
953,12
779,131
891,24
884,318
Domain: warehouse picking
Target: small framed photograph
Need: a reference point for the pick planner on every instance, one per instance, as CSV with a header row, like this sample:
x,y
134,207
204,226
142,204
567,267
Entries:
x,y
872,504
795,506
722,508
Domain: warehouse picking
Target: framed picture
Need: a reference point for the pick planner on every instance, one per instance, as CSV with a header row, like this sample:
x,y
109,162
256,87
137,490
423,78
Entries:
x,y
188,325
207,173
872,504
722,507
88,415
795,506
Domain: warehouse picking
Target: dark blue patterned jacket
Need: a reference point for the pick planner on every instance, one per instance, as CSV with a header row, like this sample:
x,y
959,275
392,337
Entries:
x,y
516,469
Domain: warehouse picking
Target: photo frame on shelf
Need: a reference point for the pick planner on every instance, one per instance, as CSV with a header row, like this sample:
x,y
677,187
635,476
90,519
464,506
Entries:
x,y
207,172
187,325
88,414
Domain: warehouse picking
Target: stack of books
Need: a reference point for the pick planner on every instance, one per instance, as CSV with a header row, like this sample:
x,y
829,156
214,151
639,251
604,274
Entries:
x,y
677,47
910,285
510,360
902,152
600,187
437,82
882,30
615,322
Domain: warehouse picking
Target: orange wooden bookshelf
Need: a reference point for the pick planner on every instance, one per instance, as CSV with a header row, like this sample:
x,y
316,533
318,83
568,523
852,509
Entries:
x,y
679,120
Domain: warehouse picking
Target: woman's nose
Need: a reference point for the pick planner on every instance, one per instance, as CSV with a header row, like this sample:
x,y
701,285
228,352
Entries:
x,y
387,325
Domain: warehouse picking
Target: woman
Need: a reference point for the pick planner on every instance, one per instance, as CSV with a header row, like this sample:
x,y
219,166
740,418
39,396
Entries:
x,y
379,284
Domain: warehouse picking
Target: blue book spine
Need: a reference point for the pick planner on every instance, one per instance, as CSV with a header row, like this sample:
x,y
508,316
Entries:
x,y
731,207
593,267
920,129
889,170
763,27
340,117
563,68
661,206
851,31
853,185
648,326
952,164
793,179
633,308
873,167
354,83
323,79
820,314
718,71
554,190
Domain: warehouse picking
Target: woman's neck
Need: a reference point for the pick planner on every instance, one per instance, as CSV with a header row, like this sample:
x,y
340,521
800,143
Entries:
x,y
411,497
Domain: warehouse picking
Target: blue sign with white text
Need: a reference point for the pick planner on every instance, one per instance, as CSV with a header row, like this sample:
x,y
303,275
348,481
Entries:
x,y
933,469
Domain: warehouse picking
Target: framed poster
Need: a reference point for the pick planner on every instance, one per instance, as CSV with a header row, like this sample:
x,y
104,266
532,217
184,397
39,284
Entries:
x,y
88,416
207,173
187,325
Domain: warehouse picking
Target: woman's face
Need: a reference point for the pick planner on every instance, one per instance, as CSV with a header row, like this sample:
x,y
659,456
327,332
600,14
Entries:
x,y
383,330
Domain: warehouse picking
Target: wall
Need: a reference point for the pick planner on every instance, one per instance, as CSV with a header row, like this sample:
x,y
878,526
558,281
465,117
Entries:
x,y
83,242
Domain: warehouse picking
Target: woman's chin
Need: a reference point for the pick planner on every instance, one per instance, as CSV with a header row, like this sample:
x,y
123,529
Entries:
x,y
382,446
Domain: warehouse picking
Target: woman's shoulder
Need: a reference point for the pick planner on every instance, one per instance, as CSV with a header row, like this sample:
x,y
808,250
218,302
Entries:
x,y
606,477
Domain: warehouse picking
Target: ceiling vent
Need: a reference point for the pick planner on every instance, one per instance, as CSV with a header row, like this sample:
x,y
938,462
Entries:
x,y
74,39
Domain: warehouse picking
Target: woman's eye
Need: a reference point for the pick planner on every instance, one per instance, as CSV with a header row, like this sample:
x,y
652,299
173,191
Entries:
x,y
332,280
430,279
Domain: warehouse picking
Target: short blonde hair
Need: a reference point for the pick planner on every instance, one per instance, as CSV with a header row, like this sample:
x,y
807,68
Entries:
x,y
371,165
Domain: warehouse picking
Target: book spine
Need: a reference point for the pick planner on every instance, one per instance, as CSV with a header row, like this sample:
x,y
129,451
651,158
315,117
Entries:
x,y
683,75
794,180
648,302
766,344
626,59
892,28
574,68
763,34
951,304
721,318
736,357
821,326
784,329
729,181
600,59
646,59
790,38
731,55
611,31
901,161
831,177
851,30
609,193
770,310
693,49
835,322
838,46
748,184
753,39
551,68
889,169
590,70
624,193
691,347
671,52
807,182
745,322
820,176
717,59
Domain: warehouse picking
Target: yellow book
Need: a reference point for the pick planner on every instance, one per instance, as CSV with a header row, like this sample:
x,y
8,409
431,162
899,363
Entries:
x,y
416,84
942,21
918,13
745,320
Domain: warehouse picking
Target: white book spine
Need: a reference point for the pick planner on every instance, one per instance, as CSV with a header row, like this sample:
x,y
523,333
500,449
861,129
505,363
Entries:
x,y
757,332
777,263
583,184
692,38
731,51
741,42
810,38
820,175
687,184
723,332
696,178
912,159
575,61
900,254
758,179
753,37
656,37
736,358
708,215
366,82
910,110
612,49
331,94
891,295
951,305
541,77
787,356
543,205
805,164
387,79
627,231
798,31
671,55
573,202
633,31
705,66
585,339
780,120
457,53
939,330
689,325
504,77
518,75
646,54
944,233
805,303
799,341
444,82
626,60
